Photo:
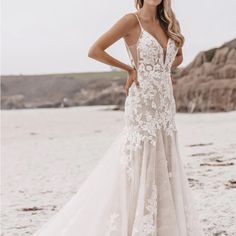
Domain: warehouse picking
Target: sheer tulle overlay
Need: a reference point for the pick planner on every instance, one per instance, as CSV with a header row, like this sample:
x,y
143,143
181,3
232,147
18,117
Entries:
x,y
139,188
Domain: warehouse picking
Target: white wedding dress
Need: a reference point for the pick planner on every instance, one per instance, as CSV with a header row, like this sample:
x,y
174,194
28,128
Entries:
x,y
139,188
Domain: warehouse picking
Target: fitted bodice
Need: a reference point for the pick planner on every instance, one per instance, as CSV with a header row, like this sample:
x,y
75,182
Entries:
x,y
151,106
149,57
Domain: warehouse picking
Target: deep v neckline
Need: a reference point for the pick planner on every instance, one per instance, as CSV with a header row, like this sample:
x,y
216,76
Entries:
x,y
164,50
158,40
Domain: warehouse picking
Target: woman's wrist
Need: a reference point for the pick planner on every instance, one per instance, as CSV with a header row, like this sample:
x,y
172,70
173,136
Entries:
x,y
130,69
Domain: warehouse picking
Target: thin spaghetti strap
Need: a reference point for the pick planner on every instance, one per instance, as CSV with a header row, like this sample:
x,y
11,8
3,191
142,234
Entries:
x,y
138,21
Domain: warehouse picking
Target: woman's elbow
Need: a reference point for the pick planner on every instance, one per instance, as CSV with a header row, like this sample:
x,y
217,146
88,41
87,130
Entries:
x,y
93,52
180,60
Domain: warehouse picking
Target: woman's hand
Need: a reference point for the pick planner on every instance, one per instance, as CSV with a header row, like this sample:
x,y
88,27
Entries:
x,y
132,77
178,59
173,81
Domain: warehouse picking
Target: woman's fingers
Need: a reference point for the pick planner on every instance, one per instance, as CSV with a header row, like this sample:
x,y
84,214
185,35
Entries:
x,y
135,78
126,91
131,78
127,86
136,81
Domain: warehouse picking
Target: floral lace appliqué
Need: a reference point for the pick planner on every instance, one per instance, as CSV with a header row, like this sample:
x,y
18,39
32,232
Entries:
x,y
112,224
147,225
151,106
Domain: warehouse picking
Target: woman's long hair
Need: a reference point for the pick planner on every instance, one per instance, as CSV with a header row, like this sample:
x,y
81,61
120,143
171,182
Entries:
x,y
168,21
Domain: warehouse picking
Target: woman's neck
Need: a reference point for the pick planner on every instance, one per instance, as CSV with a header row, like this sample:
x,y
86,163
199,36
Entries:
x,y
148,12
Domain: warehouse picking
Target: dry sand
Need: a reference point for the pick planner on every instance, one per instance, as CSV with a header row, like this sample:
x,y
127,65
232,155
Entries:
x,y
47,153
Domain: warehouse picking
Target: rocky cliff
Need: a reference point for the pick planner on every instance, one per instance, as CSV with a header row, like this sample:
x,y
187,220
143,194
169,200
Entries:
x,y
209,82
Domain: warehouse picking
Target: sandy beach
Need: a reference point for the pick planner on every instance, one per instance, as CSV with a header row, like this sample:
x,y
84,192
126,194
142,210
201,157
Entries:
x,y
47,153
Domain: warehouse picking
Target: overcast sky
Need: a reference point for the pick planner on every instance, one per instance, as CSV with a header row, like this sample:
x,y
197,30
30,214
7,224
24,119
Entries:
x,y
53,36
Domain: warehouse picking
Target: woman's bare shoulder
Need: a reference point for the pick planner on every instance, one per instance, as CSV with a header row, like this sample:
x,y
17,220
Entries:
x,y
126,22
129,18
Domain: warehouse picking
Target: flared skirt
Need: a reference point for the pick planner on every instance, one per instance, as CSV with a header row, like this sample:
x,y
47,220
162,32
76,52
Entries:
x,y
148,195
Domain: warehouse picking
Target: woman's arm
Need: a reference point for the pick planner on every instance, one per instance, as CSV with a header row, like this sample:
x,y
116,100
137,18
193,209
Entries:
x,y
178,59
97,51
118,30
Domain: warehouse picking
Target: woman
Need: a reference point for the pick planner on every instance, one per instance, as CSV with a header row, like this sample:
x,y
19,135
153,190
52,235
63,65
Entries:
x,y
139,187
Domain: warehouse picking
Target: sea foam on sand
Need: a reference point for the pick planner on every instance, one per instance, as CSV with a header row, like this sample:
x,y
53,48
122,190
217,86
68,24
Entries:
x,y
47,153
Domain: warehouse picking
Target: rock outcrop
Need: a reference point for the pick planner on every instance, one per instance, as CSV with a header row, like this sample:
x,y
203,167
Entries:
x,y
209,82
63,90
